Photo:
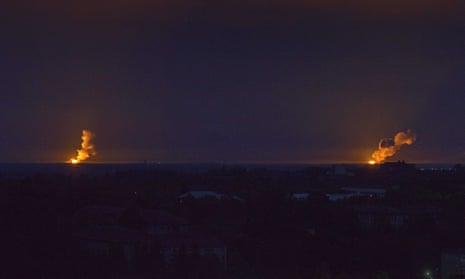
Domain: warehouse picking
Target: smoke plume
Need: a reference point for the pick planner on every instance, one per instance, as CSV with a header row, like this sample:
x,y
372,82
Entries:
x,y
387,147
87,148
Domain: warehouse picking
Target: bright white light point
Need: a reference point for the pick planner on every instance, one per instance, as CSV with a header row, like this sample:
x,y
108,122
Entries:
x,y
372,162
74,161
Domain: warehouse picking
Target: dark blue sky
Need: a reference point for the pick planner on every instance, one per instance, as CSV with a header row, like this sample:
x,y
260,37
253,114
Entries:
x,y
254,81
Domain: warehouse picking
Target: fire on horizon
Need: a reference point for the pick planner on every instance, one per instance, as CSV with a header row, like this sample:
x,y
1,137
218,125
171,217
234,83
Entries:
x,y
231,81
387,147
87,148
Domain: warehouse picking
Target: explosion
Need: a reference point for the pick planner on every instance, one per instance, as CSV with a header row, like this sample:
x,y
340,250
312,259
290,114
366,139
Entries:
x,y
87,148
387,147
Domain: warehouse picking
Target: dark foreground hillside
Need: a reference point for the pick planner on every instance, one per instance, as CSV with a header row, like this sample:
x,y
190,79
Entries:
x,y
391,222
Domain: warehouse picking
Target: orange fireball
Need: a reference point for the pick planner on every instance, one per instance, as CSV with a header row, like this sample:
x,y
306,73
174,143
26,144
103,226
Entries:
x,y
87,148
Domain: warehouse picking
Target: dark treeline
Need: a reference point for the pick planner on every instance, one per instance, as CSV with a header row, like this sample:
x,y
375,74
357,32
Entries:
x,y
268,233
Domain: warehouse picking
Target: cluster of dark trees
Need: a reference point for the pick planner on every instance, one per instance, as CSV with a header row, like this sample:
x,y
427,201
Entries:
x,y
268,234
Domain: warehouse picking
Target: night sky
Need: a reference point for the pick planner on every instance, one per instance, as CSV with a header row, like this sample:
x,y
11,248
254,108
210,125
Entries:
x,y
232,81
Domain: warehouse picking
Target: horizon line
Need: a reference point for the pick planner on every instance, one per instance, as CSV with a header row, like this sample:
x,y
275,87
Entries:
x,y
150,162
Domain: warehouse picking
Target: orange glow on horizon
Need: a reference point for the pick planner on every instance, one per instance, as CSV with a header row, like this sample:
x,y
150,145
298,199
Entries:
x,y
372,162
87,148
388,147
